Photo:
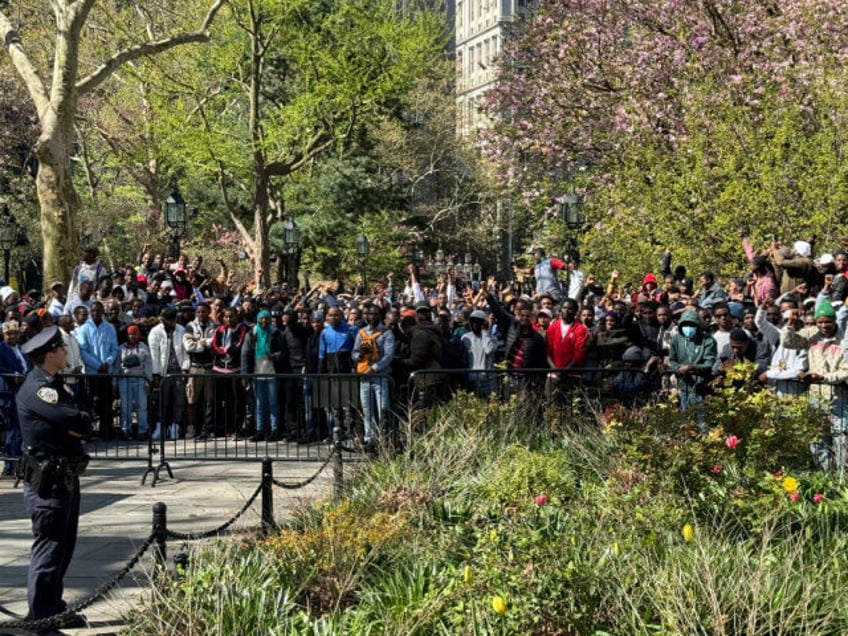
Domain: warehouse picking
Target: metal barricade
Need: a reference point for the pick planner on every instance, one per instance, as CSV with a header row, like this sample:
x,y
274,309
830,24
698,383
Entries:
x,y
212,416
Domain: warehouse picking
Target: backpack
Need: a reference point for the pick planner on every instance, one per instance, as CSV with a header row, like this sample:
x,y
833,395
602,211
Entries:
x,y
368,359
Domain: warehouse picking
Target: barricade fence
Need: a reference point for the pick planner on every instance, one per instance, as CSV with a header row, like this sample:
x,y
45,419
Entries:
x,y
159,536
209,416
579,394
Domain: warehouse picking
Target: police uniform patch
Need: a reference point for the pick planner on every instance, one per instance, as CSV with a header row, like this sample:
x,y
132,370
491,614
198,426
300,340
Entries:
x,y
48,394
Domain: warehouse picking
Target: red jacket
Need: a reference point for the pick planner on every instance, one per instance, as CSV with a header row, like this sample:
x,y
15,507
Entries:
x,y
570,350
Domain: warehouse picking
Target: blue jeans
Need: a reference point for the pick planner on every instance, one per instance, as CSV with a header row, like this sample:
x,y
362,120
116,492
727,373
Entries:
x,y
831,452
267,394
694,403
374,397
133,395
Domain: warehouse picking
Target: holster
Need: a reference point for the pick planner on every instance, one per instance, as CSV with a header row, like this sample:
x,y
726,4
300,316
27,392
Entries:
x,y
40,473
43,473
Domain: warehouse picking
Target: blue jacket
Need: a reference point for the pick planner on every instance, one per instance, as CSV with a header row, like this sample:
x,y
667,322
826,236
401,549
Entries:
x,y
98,344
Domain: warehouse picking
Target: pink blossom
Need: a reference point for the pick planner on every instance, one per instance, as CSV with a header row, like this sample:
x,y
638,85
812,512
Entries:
x,y
541,500
794,496
716,469
731,441
818,497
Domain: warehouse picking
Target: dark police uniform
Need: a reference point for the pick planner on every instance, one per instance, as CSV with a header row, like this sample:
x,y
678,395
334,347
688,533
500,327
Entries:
x,y
53,461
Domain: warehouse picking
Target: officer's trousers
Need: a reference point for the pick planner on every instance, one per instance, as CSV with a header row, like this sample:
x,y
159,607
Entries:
x,y
54,527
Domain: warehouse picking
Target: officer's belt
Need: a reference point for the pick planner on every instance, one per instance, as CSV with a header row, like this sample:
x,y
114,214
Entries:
x,y
43,472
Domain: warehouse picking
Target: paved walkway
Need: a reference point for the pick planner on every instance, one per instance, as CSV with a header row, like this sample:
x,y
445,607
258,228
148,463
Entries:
x,y
117,514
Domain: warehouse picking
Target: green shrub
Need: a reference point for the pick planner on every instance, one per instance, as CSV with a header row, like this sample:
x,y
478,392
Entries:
x,y
489,524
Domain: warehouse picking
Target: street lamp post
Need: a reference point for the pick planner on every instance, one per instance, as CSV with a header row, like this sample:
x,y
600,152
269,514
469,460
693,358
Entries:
x,y
175,218
476,271
291,244
571,207
9,232
362,250
439,263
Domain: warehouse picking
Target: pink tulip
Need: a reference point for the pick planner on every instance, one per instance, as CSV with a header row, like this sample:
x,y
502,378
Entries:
x,y
794,496
716,469
818,497
541,500
731,441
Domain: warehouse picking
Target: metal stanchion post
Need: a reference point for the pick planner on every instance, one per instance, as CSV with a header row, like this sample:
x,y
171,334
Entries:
x,y
338,472
160,532
267,496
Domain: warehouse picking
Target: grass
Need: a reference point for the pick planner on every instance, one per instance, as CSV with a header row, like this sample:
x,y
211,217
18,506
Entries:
x,y
423,541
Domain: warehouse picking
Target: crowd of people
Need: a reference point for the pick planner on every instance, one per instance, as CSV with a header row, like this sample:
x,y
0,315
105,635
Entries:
x,y
214,358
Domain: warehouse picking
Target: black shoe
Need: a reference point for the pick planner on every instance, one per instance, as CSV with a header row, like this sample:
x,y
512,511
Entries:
x,y
74,621
276,436
258,436
202,437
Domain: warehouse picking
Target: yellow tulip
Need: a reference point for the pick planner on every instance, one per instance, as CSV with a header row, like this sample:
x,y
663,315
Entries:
x,y
688,533
466,574
499,605
790,484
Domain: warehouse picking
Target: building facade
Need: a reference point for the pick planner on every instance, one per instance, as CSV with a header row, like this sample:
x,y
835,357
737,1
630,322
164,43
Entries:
x,y
480,26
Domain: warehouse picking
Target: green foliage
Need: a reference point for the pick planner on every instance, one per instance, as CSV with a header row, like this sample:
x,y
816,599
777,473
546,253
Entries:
x,y
703,124
453,537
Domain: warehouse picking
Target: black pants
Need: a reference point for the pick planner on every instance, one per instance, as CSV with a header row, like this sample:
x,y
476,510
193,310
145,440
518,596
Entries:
x,y
54,526
99,393
234,405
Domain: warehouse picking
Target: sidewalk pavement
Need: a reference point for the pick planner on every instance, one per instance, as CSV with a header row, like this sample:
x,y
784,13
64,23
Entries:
x,y
116,519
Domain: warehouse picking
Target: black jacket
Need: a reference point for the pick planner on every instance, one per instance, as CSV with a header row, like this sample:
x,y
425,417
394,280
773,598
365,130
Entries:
x,y
535,355
277,352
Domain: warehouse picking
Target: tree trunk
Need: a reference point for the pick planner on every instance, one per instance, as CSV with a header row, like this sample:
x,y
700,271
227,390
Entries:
x,y
59,206
57,109
261,252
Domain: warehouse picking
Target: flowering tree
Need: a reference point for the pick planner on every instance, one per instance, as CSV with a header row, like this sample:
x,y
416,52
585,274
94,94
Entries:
x,y
697,118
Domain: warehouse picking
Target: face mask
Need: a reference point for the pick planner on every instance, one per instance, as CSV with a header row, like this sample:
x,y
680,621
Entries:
x,y
689,331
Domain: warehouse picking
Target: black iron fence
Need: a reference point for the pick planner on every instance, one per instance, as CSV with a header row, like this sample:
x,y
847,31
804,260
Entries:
x,y
210,416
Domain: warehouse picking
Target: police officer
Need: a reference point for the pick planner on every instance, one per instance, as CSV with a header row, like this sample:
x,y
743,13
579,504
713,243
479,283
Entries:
x,y
52,428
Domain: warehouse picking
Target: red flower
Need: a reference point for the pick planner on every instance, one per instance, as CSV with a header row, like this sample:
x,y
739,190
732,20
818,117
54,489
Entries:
x,y
794,496
818,497
541,500
731,441
716,469
778,474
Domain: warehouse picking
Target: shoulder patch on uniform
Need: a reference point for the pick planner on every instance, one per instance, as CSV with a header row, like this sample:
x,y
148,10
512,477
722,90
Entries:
x,y
48,394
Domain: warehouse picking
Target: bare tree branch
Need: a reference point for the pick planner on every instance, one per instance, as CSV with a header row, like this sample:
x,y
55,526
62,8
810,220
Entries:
x,y
24,66
97,77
